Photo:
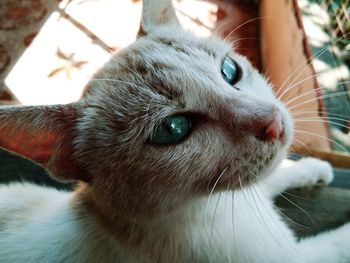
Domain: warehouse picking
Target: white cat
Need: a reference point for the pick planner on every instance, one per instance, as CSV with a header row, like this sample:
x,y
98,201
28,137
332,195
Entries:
x,y
164,138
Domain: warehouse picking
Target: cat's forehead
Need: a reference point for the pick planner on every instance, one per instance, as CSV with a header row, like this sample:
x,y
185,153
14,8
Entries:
x,y
173,69
175,49
187,43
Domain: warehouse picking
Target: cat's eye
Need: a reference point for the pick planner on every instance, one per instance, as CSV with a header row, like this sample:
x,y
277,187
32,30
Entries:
x,y
173,129
230,71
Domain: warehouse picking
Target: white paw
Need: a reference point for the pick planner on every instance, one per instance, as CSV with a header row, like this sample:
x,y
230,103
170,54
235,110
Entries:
x,y
312,171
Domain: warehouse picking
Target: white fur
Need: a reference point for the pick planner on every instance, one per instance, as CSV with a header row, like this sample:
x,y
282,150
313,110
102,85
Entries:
x,y
44,225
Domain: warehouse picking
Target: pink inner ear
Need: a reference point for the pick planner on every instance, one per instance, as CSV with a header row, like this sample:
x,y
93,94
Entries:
x,y
44,135
38,148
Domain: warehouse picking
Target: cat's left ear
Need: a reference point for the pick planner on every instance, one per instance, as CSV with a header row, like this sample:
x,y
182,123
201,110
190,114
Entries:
x,y
156,13
44,134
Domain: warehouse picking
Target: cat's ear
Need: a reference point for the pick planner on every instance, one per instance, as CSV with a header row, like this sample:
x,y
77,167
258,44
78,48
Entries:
x,y
44,134
156,13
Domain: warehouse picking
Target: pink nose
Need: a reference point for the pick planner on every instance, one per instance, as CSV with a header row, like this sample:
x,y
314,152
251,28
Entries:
x,y
273,130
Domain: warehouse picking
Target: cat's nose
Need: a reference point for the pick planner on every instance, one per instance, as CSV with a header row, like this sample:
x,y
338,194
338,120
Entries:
x,y
272,130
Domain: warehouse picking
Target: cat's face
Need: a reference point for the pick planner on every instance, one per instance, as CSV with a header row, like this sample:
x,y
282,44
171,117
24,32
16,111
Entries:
x,y
170,76
170,118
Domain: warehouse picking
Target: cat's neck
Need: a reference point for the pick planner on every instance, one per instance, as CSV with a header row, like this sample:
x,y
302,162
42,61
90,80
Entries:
x,y
181,235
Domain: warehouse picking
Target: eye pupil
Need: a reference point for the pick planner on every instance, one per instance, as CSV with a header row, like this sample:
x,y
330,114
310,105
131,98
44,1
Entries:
x,y
173,129
230,71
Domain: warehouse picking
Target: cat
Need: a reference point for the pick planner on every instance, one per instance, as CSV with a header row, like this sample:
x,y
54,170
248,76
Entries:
x,y
178,147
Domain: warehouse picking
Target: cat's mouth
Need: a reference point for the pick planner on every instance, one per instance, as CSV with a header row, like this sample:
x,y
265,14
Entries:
x,y
247,169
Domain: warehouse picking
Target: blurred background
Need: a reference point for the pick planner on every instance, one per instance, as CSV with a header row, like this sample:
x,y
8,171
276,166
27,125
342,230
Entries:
x,y
327,24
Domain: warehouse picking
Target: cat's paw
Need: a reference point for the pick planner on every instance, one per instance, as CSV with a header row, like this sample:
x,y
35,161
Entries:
x,y
312,171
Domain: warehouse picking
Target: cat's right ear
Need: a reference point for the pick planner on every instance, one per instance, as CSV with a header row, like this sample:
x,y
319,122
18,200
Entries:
x,y
44,134
156,13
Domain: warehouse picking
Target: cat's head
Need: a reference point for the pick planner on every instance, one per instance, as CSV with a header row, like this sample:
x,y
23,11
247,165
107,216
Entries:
x,y
168,119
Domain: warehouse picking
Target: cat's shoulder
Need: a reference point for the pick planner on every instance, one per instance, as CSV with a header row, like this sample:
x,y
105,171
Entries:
x,y
20,200
27,193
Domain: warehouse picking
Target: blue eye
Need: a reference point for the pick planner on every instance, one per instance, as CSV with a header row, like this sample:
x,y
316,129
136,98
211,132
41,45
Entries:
x,y
172,130
230,71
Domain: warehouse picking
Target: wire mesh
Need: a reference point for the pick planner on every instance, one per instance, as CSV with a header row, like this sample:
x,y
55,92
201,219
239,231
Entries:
x,y
339,26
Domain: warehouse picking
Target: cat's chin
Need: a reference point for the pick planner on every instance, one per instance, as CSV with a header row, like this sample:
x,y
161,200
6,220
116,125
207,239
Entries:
x,y
269,160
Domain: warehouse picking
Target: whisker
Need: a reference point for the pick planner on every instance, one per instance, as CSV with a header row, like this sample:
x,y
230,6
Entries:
x,y
290,220
216,182
285,192
314,91
262,218
225,226
293,85
262,189
268,212
243,38
320,136
233,222
290,244
245,197
322,118
297,196
216,30
322,121
208,202
246,22
303,144
334,119
299,207
329,114
308,62
214,216
342,93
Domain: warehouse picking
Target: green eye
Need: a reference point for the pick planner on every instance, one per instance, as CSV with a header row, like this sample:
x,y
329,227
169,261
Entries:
x,y
172,130
230,71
